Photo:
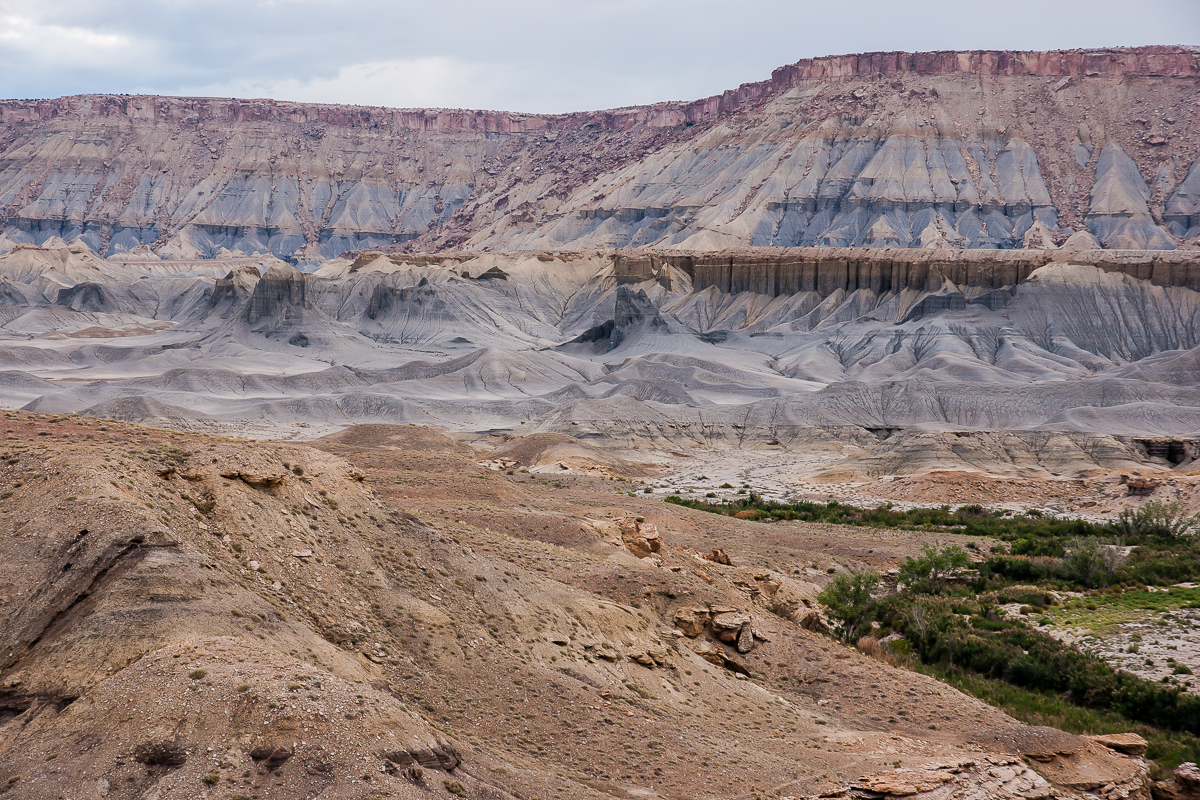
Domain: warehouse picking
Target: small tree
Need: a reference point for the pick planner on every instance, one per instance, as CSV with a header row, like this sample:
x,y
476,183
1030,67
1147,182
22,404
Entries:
x,y
1091,561
848,597
1156,520
937,565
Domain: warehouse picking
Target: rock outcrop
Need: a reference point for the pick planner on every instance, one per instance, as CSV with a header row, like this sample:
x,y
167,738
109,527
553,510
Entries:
x,y
826,271
1046,763
640,537
1184,784
279,292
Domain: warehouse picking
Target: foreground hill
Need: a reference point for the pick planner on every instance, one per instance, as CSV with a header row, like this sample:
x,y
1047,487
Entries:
x,y
199,617
976,149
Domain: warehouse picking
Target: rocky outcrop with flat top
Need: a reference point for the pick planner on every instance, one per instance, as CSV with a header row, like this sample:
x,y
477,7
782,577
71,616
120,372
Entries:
x,y
962,150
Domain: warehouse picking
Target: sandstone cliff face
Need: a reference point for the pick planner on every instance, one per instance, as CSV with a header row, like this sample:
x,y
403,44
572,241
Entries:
x,y
825,271
963,150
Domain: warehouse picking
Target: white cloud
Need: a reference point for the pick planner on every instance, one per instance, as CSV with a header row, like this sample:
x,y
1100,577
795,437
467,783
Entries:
x,y
61,45
518,55
402,83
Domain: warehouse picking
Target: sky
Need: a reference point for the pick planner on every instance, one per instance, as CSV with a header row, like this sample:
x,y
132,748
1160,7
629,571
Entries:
x,y
535,56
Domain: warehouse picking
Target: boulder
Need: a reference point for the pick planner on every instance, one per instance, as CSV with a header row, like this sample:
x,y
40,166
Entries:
x,y
692,621
640,537
651,657
271,756
745,639
811,620
768,584
259,480
712,655
727,625
1128,743
715,655
1138,485
1187,775
1184,786
439,755
719,556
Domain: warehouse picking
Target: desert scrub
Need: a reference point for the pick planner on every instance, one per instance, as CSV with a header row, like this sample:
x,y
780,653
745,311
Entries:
x,y
1167,749
171,455
959,632
1164,521
205,503
1068,552
849,601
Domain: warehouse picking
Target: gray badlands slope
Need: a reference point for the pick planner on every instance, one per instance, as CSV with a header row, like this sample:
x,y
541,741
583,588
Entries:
x,y
1085,366
972,149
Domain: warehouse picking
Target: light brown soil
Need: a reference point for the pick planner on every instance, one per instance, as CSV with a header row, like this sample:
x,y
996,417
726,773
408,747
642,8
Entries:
x,y
189,616
1103,494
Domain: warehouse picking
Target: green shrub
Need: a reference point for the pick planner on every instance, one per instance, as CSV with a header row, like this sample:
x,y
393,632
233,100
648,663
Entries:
x,y
848,597
1090,561
936,567
1156,520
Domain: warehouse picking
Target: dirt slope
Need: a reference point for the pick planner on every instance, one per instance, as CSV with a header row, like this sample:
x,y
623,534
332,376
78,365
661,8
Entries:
x,y
199,617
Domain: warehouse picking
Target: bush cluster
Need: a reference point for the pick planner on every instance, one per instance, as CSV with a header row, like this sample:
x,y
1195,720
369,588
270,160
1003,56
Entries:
x,y
1164,538
944,619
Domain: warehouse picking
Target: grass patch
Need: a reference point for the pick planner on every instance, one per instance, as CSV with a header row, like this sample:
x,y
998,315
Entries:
x,y
1103,613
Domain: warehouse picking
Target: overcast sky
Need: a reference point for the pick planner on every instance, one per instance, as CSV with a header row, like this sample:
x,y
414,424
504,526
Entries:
x,y
519,55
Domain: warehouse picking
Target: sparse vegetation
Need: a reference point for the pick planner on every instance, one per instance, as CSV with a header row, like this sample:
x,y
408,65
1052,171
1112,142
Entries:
x,y
204,504
1071,552
160,754
171,455
953,627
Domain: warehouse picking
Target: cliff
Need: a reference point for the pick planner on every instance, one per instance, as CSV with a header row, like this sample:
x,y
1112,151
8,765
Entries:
x,y
978,149
825,271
